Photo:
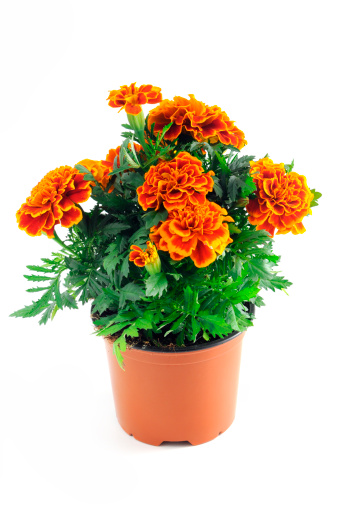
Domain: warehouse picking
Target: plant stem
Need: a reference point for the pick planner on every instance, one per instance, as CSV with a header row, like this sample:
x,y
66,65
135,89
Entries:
x,y
62,244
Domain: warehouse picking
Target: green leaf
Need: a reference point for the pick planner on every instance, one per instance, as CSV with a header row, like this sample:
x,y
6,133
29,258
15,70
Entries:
x,y
196,328
156,284
111,261
115,228
57,294
223,163
215,325
245,294
217,187
37,278
143,324
131,292
317,195
249,186
140,236
35,290
24,312
47,314
119,347
68,300
289,167
132,180
111,330
191,304
125,268
234,184
259,268
153,218
238,320
35,268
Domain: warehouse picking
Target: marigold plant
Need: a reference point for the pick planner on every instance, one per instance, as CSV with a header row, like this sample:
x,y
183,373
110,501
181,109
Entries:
x,y
178,242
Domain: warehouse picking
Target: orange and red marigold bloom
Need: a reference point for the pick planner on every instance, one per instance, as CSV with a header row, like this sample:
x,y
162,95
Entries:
x,y
202,122
53,201
282,199
175,183
198,231
131,98
142,257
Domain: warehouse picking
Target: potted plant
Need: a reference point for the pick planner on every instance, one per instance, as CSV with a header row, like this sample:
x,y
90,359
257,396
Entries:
x,y
173,255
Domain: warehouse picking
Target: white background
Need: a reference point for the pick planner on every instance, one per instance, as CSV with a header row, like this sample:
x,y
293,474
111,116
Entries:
x,y
270,66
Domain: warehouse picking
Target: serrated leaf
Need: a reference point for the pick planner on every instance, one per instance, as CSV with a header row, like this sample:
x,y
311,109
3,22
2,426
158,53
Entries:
x,y
35,290
131,292
36,268
215,325
119,347
153,218
125,268
111,330
68,300
37,278
191,304
234,184
156,284
143,324
115,228
47,314
289,167
196,328
317,195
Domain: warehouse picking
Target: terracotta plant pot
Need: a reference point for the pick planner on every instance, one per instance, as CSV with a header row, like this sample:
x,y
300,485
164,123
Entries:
x,y
177,396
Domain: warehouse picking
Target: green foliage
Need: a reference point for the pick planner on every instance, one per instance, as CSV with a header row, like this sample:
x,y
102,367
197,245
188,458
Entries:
x,y
317,195
181,304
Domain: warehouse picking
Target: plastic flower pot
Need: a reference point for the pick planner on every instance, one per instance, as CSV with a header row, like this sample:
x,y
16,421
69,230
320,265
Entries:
x,y
186,395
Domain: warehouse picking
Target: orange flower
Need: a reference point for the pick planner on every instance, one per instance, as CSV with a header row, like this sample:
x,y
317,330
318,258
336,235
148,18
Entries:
x,y
53,201
283,199
99,171
175,183
193,117
148,258
131,97
198,231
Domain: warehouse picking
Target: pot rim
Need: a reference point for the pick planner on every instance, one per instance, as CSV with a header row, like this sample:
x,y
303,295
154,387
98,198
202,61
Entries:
x,y
193,347
189,348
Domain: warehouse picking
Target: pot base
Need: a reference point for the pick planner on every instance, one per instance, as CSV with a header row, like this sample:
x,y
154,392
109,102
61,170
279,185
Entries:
x,y
156,441
176,396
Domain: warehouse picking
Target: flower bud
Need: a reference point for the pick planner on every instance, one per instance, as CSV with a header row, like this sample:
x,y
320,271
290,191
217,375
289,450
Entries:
x,y
242,202
137,122
149,258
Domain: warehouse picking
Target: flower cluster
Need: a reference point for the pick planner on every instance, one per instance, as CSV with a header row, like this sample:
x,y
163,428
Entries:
x,y
282,199
179,240
53,201
195,226
193,117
